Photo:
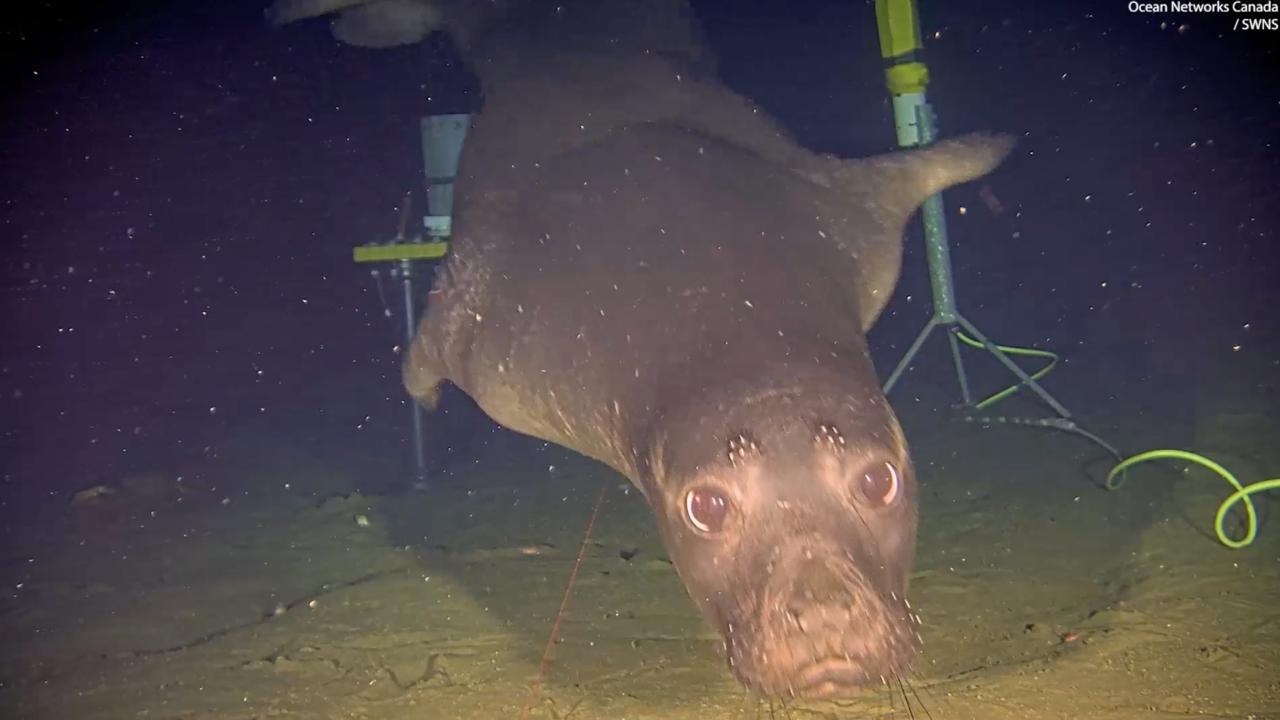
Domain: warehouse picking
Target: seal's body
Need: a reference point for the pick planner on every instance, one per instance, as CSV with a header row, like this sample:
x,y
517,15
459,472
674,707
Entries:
x,y
646,270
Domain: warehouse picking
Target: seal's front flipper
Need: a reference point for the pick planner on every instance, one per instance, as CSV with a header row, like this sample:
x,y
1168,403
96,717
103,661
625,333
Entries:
x,y
906,179
422,382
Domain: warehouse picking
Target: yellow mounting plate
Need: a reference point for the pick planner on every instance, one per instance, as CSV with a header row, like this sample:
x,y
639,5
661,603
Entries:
x,y
389,252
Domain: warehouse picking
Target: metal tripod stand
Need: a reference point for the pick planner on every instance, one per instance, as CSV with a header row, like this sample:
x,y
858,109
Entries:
x,y
907,77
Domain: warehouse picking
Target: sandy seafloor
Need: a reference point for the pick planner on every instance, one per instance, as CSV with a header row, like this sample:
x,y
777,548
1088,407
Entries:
x,y
164,601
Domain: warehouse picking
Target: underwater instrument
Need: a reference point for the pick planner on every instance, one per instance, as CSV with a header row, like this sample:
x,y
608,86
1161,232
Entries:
x,y
442,138
907,77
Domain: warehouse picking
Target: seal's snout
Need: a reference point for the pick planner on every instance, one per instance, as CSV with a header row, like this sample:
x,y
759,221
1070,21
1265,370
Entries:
x,y
823,631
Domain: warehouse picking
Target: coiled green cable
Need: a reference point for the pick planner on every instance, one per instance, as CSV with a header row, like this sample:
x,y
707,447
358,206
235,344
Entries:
x,y
1241,495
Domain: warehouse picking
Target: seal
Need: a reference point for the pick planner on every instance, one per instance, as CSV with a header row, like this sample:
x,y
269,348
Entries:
x,y
647,270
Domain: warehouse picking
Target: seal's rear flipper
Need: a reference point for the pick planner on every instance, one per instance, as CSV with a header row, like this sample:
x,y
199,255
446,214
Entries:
x,y
365,23
282,12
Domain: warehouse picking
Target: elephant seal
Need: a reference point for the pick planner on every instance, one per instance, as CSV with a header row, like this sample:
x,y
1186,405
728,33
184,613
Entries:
x,y
647,270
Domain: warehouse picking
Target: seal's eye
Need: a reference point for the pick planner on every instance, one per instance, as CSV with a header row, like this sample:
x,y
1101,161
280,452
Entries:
x,y
706,509
881,484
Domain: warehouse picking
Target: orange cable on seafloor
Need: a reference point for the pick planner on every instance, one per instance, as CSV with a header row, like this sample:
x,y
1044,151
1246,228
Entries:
x,y
536,688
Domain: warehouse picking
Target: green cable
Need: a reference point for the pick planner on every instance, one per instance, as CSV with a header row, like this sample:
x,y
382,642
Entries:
x,y
1010,350
1241,495
1115,478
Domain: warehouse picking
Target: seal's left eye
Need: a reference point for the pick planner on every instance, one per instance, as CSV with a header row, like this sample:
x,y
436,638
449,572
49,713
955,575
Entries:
x,y
881,484
706,509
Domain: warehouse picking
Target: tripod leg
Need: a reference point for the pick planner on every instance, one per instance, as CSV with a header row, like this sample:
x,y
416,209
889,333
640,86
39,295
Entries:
x,y
911,353
410,329
959,363
1013,367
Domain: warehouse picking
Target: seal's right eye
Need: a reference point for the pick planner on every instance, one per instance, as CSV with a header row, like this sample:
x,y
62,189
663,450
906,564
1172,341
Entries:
x,y
706,509
881,484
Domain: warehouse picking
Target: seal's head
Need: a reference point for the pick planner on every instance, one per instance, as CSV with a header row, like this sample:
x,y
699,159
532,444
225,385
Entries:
x,y
792,520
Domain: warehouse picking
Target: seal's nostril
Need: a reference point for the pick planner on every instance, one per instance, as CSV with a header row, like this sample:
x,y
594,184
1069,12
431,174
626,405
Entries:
x,y
820,618
794,616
